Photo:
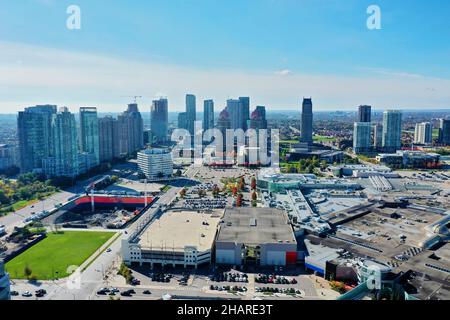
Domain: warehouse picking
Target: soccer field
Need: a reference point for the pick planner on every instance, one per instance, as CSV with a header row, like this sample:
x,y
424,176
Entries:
x,y
50,258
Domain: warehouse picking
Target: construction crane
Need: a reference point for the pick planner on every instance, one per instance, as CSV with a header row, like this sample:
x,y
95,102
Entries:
x,y
135,97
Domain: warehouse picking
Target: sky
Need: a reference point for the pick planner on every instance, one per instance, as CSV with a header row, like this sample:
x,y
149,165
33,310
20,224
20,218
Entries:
x,y
275,51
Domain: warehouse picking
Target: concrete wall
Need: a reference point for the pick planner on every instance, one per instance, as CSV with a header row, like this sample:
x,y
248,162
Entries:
x,y
274,254
228,253
275,258
225,257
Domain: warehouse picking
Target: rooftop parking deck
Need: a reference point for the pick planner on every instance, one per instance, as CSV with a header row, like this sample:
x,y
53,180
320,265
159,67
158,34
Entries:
x,y
176,230
255,226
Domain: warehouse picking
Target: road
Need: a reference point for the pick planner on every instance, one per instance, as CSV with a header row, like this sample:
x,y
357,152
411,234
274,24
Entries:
x,y
16,218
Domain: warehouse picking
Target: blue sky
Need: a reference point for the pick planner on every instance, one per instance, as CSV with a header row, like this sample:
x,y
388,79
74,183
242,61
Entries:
x,y
276,51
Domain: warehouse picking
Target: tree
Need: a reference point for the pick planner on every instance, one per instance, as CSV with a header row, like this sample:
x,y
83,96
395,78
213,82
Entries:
x,y
28,272
201,193
183,193
253,183
215,191
4,199
239,200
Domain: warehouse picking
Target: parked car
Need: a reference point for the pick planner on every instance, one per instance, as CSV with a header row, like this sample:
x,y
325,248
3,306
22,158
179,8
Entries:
x,y
102,292
125,294
27,294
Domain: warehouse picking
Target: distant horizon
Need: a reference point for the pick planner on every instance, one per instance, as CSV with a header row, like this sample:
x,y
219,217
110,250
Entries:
x,y
216,111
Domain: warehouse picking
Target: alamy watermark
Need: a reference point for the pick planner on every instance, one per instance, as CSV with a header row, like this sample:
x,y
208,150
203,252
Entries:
x,y
73,21
373,281
374,19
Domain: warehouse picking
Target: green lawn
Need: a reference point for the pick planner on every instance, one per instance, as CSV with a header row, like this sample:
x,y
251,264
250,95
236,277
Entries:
x,y
50,258
166,188
22,204
324,139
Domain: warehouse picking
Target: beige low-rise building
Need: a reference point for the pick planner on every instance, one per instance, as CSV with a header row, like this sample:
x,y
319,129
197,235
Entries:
x,y
177,238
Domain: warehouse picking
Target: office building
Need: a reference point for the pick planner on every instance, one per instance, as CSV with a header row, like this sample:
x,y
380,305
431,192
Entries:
x,y
255,236
364,113
9,156
423,133
131,130
177,239
4,283
444,132
239,112
191,112
108,132
233,109
224,124
182,121
307,121
244,114
89,135
148,137
86,161
35,136
362,142
159,120
392,131
410,160
208,115
155,164
377,136
258,118
63,161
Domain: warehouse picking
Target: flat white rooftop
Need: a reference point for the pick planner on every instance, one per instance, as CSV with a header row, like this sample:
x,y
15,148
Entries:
x,y
176,230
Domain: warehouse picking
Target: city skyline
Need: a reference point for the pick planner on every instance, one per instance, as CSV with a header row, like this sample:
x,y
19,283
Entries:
x,y
229,151
48,63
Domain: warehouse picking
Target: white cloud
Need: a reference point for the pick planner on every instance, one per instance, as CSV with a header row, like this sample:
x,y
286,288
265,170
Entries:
x,y
30,75
284,72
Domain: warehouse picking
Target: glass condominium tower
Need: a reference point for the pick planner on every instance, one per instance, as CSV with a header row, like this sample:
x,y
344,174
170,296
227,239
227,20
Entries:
x,y
159,120
191,111
34,130
392,131
208,114
362,137
64,162
364,113
307,121
89,134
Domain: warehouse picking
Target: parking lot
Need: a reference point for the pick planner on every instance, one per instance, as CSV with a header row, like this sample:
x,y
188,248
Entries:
x,y
224,284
